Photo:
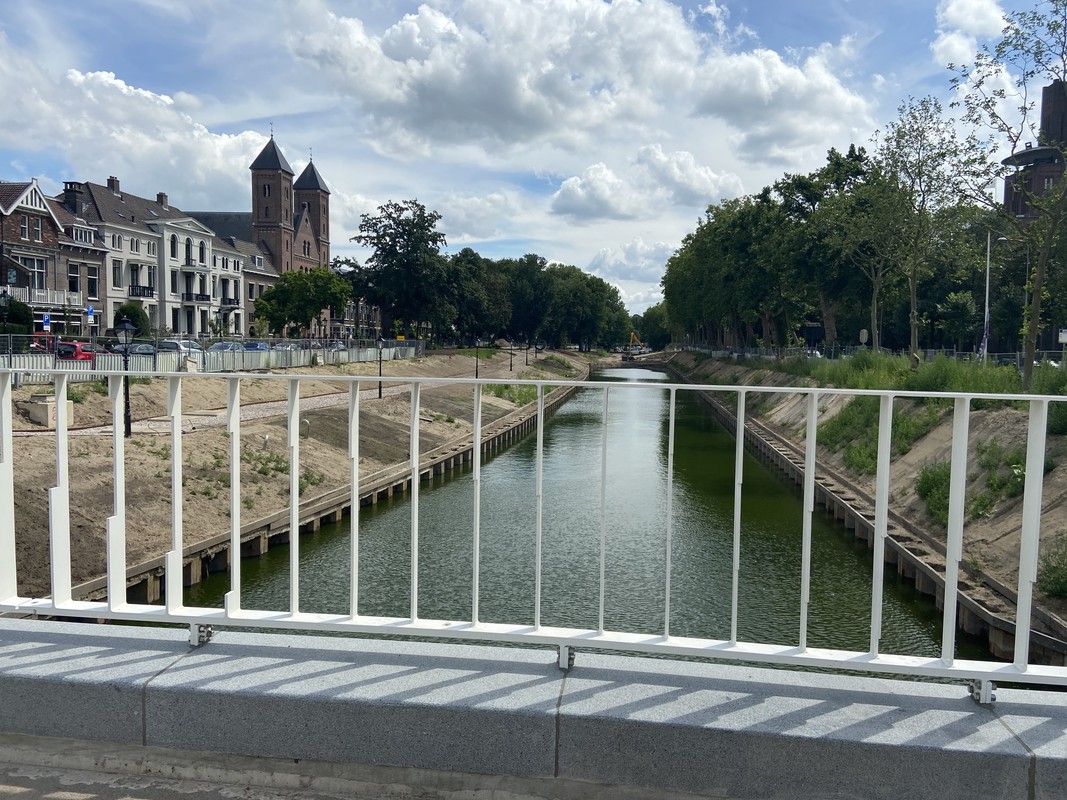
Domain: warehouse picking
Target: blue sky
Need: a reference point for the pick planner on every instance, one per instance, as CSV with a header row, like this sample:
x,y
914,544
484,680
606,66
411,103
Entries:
x,y
591,133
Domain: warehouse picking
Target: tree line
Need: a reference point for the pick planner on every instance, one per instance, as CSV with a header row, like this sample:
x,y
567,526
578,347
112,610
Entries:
x,y
451,299
893,238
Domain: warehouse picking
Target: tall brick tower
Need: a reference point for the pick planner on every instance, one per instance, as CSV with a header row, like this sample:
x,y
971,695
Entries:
x,y
272,205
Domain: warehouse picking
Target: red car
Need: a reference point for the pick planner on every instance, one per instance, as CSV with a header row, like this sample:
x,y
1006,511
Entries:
x,y
78,351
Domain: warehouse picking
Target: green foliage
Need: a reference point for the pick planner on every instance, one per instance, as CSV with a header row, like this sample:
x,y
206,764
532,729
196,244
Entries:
x,y
135,313
855,429
309,478
265,463
299,297
519,394
932,485
1052,568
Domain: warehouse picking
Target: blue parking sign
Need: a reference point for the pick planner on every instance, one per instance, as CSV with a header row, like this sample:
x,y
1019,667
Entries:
x,y
90,312
47,322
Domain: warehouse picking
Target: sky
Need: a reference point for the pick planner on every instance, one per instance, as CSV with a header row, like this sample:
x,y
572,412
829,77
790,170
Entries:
x,y
591,133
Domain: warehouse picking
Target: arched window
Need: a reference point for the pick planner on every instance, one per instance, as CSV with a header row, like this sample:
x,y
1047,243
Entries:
x,y
203,253
188,250
173,245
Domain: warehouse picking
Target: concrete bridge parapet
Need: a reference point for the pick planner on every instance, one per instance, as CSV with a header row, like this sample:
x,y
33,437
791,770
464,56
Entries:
x,y
456,719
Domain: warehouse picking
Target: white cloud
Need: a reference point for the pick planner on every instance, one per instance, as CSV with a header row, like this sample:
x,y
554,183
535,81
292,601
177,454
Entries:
x,y
961,23
686,182
597,194
468,217
633,261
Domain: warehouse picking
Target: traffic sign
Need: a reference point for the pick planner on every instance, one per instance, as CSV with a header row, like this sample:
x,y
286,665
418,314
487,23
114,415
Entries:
x,y
90,311
47,322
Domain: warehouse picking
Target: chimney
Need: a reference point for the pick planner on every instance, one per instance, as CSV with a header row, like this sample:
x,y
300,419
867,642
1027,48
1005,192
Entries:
x,y
161,198
72,192
113,183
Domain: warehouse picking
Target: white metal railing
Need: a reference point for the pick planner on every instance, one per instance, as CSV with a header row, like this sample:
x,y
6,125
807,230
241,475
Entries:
x,y
62,601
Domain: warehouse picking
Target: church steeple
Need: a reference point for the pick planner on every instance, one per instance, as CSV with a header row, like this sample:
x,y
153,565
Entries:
x,y
272,204
310,192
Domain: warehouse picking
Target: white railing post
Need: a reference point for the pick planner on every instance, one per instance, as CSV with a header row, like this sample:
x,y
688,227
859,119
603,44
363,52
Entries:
x,y
59,502
808,510
415,459
476,440
293,416
957,481
1031,528
353,482
739,471
8,566
173,588
668,535
881,516
232,598
116,523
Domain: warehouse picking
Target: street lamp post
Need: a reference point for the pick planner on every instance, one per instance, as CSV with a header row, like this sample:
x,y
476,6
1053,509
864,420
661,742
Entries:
x,y
125,330
476,359
985,328
5,307
381,343
527,349
511,356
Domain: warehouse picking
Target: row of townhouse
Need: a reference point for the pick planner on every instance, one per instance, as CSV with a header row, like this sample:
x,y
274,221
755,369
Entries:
x,y
76,258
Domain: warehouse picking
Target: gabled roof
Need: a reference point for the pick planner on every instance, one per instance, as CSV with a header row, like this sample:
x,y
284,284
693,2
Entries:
x,y
227,223
310,179
270,157
28,194
123,208
65,220
250,252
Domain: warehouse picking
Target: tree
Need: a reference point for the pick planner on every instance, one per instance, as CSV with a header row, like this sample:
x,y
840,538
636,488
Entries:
x,y
299,297
406,272
136,314
1031,53
957,317
923,155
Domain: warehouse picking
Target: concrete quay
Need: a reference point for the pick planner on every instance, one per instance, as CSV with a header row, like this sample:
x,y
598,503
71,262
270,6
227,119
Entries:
x,y
402,719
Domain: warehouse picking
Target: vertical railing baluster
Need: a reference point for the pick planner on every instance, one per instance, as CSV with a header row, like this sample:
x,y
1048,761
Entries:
x,y
172,570
739,470
1031,527
8,565
415,458
353,482
603,508
538,501
881,516
294,495
669,534
808,511
59,502
476,451
115,526
232,599
957,493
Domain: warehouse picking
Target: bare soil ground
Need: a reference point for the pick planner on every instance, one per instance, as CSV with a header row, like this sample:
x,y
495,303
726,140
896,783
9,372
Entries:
x,y
445,415
991,540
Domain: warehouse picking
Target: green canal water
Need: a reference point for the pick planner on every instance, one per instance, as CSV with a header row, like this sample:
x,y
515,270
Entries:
x,y
636,531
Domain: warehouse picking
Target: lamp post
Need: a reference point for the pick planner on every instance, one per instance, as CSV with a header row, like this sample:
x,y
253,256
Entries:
x,y
511,356
527,349
985,328
381,343
5,307
476,359
125,330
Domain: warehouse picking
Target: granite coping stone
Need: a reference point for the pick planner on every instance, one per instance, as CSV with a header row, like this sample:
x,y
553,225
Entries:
x,y
682,726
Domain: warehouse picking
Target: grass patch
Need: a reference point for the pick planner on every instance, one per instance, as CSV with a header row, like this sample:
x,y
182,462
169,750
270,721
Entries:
x,y
1052,568
519,394
932,486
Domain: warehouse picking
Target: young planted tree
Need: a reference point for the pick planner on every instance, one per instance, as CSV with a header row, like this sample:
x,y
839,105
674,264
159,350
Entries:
x,y
998,95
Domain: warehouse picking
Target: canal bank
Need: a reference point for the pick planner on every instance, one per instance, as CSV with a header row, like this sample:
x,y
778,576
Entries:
x,y
146,579
986,605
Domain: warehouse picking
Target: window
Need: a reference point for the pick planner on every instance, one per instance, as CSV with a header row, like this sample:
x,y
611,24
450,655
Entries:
x,y
188,250
135,274
225,263
251,291
116,241
35,266
174,282
214,259
152,276
135,245
151,247
92,281
24,227
261,290
203,253
37,229
266,212
116,274
173,246
1048,183
73,278
266,190
236,265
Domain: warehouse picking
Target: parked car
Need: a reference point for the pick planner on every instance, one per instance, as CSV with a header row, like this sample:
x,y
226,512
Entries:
x,y
78,351
186,346
226,347
284,346
252,344
134,349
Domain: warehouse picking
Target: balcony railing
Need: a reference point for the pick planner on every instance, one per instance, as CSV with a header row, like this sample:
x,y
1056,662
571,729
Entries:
x,y
142,291
62,600
195,297
52,298
230,301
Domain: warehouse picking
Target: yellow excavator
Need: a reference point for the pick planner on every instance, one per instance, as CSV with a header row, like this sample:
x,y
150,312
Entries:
x,y
633,348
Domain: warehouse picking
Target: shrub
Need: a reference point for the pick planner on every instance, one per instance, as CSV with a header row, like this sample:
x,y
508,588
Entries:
x,y
1052,568
932,486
